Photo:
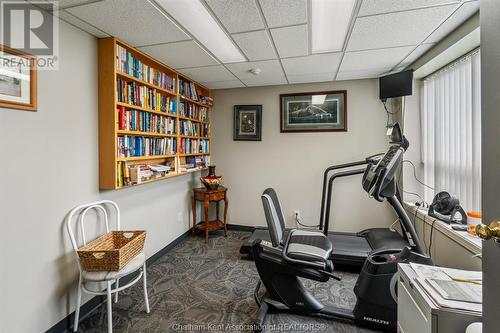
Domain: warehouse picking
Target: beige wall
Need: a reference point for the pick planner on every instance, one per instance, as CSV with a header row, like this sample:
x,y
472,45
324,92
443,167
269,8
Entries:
x,y
293,163
49,164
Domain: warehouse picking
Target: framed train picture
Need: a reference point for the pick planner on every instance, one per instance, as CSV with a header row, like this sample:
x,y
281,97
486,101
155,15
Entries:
x,y
324,111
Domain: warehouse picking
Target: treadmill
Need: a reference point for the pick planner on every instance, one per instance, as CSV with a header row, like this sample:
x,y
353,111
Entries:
x,y
349,248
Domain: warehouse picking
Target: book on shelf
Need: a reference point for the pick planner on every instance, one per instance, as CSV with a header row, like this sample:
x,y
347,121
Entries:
x,y
138,173
188,89
134,120
187,127
136,94
206,100
194,163
133,146
126,63
204,114
194,146
189,110
204,130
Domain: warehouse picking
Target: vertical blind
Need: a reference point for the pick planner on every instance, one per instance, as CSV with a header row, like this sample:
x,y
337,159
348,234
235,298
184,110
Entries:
x,y
451,131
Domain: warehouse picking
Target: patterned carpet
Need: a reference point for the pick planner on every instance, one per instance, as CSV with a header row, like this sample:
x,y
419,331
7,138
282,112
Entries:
x,y
207,288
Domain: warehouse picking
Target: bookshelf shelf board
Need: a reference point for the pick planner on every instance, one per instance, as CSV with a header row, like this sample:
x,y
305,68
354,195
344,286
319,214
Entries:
x,y
194,137
139,133
140,158
194,101
145,83
192,119
169,175
140,108
194,154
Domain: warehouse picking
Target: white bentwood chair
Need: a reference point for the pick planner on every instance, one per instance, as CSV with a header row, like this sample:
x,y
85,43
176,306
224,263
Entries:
x,y
109,277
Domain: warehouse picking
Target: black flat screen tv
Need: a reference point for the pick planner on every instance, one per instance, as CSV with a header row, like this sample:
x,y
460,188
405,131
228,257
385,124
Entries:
x,y
396,85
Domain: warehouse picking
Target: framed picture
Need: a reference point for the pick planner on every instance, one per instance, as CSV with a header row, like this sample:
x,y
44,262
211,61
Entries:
x,y
247,122
324,111
17,80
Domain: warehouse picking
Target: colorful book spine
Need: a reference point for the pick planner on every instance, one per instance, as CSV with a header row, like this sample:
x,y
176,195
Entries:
x,y
139,95
187,127
188,89
189,110
194,146
134,120
131,146
204,114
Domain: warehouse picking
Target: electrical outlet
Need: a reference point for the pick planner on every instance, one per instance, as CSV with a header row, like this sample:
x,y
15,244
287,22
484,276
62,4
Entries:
x,y
296,214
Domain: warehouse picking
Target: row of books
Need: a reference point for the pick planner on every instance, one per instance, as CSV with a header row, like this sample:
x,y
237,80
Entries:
x,y
204,130
194,146
129,146
139,95
206,100
127,64
189,110
131,174
188,89
134,120
204,115
187,127
194,163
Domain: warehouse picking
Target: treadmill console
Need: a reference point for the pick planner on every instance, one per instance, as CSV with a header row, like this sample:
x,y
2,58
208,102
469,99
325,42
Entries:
x,y
378,179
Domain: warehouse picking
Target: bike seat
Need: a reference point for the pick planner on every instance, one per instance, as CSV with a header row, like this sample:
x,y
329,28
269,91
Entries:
x,y
308,248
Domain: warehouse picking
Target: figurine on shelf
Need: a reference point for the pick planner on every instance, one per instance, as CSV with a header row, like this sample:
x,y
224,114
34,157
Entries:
x,y
211,181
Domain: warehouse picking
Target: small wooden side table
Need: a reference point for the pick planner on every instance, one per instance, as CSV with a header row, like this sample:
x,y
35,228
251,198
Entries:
x,y
207,196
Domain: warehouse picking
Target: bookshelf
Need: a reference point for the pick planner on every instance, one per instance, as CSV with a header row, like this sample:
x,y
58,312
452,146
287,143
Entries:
x,y
154,122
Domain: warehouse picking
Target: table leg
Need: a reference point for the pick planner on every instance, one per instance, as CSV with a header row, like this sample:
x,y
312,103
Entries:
x,y
193,205
218,206
206,219
225,216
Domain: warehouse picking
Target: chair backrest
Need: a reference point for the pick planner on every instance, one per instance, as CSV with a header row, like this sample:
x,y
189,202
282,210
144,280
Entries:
x,y
274,216
81,211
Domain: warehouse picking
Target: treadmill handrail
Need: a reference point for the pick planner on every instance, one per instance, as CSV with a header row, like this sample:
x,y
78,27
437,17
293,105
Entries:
x,y
329,195
325,181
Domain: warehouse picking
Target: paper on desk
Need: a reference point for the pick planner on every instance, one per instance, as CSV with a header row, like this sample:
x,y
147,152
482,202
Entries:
x,y
429,272
463,275
441,302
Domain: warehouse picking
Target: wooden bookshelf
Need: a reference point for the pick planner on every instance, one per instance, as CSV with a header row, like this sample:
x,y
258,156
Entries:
x,y
154,111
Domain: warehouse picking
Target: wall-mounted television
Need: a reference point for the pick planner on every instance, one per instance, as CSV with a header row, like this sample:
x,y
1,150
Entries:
x,y
396,85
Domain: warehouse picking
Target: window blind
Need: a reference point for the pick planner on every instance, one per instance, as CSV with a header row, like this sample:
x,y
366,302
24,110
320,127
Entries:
x,y
451,131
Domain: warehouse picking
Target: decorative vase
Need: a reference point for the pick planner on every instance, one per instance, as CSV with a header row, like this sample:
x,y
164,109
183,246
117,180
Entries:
x,y
211,181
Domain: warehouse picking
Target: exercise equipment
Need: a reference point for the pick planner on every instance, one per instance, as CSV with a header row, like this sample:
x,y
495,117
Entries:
x,y
349,248
446,208
306,254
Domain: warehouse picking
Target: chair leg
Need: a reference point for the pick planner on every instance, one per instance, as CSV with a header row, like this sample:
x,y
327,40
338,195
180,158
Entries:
x,y
78,304
145,287
110,310
117,285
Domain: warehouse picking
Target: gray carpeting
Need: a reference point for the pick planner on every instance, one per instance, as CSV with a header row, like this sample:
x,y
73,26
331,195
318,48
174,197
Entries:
x,y
209,288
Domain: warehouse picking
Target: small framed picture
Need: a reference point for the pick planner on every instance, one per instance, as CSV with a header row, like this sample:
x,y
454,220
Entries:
x,y
247,122
17,80
324,111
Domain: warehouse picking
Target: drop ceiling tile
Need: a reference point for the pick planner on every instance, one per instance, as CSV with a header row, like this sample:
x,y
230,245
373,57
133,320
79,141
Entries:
x,y
237,15
313,77
136,22
279,13
261,81
291,41
465,11
67,17
356,75
417,53
180,54
210,73
371,7
374,59
73,3
396,29
270,69
255,45
313,64
223,84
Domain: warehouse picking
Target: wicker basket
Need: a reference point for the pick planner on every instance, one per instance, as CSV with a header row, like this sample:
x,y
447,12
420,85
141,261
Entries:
x,y
112,251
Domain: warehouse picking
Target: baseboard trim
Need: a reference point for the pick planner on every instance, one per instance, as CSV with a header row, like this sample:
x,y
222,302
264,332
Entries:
x,y
66,324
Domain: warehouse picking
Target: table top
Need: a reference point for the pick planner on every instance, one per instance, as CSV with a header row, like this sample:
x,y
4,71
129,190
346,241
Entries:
x,y
204,189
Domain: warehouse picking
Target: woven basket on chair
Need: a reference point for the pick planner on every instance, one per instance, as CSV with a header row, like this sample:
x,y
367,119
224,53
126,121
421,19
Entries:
x,y
112,251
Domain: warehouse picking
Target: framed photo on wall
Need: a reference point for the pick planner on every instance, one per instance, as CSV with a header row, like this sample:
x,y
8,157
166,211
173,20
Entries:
x,y
18,80
324,111
247,122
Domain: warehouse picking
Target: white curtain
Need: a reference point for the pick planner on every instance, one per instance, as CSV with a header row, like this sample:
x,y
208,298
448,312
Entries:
x,y
451,132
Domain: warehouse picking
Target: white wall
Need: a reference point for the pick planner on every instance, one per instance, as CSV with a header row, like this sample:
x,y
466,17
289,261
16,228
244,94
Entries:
x,y
49,164
293,163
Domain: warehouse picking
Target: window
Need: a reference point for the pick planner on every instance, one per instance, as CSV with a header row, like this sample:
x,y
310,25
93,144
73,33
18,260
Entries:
x,y
451,131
